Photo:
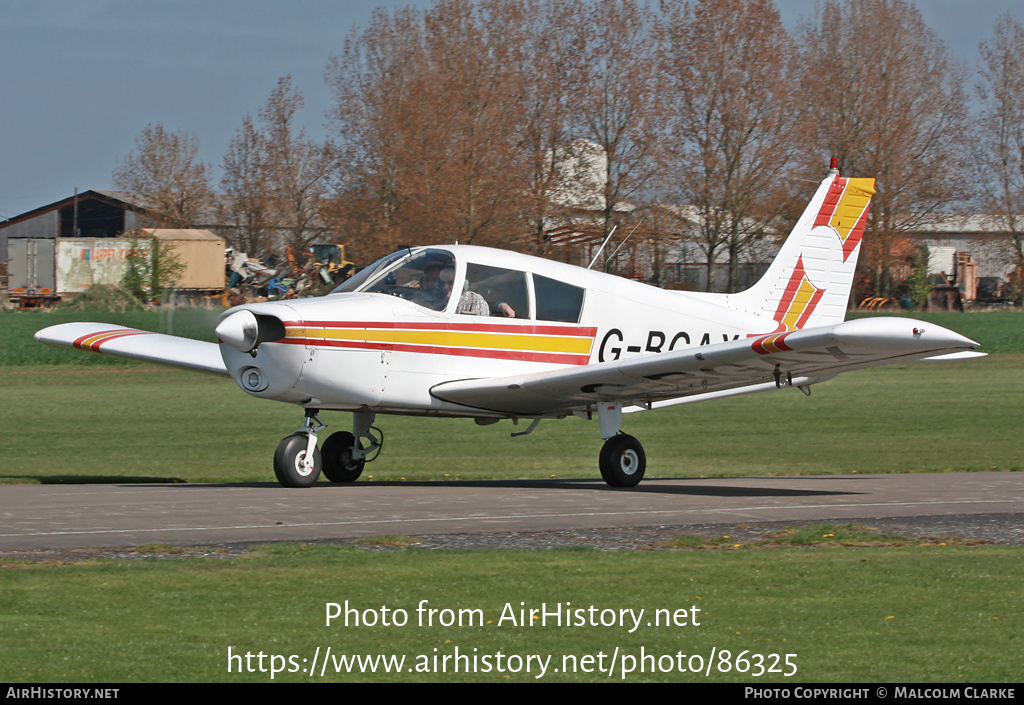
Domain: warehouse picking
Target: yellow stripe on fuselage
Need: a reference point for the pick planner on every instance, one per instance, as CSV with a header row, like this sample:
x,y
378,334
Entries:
x,y
458,339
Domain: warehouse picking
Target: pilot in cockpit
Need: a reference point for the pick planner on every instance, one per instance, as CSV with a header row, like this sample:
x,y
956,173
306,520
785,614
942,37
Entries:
x,y
433,295
429,280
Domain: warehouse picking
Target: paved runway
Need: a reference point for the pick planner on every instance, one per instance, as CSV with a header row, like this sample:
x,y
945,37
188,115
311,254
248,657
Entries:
x,y
92,516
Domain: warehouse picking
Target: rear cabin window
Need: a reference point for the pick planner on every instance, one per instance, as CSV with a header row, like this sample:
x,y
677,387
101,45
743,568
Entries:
x,y
557,301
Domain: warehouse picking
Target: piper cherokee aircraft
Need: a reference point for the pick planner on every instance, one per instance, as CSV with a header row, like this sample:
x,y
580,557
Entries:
x,y
524,338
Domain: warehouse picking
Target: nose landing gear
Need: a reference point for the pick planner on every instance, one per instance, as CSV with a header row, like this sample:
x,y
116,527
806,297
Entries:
x,y
298,462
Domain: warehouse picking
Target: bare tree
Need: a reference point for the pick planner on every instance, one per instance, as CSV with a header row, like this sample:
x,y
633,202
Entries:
x,y
546,50
463,121
165,173
431,112
885,98
730,120
615,106
246,205
373,80
1000,145
298,171
466,167
277,183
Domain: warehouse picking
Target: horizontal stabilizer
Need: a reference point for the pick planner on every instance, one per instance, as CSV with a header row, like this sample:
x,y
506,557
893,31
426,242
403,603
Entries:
x,y
135,344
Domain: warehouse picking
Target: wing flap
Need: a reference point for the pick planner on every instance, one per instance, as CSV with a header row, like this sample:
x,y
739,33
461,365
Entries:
x,y
794,358
134,344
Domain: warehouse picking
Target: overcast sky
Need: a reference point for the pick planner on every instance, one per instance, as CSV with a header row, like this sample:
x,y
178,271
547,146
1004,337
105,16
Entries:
x,y
81,78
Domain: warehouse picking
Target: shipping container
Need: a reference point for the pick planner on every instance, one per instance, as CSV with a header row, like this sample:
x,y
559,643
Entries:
x,y
200,251
30,270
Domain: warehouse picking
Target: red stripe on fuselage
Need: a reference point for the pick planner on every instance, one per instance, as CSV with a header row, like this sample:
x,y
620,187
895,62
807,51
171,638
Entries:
x,y
519,329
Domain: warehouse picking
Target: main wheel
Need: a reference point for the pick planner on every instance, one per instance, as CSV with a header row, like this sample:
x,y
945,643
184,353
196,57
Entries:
x,y
338,463
623,461
288,462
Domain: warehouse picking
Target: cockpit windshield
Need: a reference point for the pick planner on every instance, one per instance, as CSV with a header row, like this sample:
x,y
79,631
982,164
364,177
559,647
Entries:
x,y
354,282
413,276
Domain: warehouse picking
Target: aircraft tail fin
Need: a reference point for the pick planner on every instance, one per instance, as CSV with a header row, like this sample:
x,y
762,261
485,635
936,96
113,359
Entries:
x,y
808,284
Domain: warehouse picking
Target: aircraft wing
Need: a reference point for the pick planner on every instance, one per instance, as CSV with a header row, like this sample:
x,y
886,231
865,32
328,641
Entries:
x,y
136,345
797,358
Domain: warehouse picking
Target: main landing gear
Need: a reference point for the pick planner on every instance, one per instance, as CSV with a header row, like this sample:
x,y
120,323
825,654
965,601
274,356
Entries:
x,y
298,462
622,461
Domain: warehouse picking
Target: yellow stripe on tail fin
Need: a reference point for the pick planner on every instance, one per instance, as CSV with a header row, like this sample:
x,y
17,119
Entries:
x,y
808,284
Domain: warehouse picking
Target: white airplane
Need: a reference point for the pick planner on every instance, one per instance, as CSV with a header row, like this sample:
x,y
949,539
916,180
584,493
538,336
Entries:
x,y
530,339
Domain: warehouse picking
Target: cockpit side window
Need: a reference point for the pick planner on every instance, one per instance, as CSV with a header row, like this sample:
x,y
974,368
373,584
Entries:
x,y
557,301
494,291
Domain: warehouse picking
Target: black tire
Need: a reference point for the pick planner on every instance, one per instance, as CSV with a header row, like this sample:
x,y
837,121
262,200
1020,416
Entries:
x,y
288,459
623,461
338,465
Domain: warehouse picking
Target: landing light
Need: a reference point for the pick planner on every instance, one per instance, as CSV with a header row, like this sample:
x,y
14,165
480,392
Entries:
x,y
253,379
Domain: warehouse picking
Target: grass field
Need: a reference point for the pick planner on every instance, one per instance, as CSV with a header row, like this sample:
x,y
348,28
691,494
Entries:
x,y
890,611
138,424
914,613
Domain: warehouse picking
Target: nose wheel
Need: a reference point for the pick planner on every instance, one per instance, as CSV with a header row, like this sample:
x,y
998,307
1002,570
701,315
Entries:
x,y
290,461
297,461
623,461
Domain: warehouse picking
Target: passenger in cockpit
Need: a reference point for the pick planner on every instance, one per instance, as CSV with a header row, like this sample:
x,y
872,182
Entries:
x,y
470,302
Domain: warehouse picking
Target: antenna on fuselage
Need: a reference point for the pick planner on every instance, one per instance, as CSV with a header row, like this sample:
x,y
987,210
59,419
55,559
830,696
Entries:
x,y
601,249
616,250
